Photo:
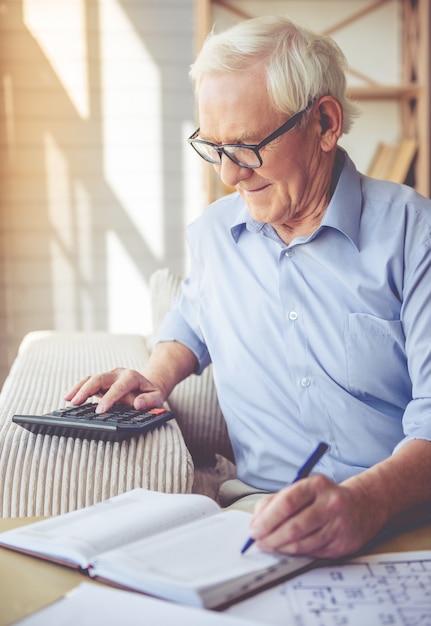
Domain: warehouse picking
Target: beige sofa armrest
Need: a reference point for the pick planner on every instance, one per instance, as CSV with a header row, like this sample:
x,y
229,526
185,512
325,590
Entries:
x,y
48,475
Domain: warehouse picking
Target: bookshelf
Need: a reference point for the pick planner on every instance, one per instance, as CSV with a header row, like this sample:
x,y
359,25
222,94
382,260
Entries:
x,y
393,161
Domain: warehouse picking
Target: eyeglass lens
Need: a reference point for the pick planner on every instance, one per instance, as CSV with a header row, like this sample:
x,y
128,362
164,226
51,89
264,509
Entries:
x,y
240,155
244,156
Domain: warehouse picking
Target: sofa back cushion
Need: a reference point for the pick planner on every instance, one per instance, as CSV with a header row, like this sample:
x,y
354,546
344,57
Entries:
x,y
194,400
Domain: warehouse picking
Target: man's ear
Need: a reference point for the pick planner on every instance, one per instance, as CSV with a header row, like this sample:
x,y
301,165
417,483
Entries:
x,y
329,115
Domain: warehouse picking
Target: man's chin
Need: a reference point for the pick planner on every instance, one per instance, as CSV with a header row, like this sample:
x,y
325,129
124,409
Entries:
x,y
259,214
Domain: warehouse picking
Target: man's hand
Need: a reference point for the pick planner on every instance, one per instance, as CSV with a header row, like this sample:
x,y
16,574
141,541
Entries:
x,y
117,386
314,517
170,362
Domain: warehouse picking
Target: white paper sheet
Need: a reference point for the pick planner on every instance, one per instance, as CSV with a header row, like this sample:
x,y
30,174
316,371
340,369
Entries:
x,y
99,605
379,590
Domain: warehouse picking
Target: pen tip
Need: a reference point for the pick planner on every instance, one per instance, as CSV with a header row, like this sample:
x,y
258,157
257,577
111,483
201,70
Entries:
x,y
247,544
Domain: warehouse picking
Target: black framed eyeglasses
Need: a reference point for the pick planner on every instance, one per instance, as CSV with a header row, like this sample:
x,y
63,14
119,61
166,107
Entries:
x,y
242,154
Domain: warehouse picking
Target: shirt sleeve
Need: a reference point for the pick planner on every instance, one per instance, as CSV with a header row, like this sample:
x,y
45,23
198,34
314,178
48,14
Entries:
x,y
175,328
416,320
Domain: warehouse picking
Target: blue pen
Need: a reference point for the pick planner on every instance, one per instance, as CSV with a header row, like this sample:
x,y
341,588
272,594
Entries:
x,y
302,473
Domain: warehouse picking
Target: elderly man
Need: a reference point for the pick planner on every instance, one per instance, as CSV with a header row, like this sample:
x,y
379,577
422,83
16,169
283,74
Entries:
x,y
309,291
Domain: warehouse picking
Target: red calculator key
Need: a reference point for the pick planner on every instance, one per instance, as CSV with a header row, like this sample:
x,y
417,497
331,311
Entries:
x,y
157,411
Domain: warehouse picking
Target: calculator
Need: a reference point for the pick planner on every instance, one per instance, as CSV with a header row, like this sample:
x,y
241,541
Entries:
x,y
120,422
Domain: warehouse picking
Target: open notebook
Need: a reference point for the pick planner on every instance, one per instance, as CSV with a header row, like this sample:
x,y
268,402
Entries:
x,y
180,547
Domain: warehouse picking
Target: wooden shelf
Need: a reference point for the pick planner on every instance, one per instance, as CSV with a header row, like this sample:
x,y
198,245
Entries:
x,y
384,92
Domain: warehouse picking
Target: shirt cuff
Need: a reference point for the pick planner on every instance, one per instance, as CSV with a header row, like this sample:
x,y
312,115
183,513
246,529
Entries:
x,y
175,328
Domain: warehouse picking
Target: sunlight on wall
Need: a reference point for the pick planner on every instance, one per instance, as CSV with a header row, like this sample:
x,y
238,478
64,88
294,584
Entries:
x,y
128,295
71,253
68,56
60,215
131,119
9,116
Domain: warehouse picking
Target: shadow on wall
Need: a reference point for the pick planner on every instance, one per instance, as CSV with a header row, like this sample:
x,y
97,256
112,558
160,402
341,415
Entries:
x,y
95,110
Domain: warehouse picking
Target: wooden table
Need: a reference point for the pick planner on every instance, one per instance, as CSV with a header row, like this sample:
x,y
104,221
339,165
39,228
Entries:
x,y
27,583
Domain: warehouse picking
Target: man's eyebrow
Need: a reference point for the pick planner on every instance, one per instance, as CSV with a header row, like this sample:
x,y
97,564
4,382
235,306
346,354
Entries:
x,y
246,138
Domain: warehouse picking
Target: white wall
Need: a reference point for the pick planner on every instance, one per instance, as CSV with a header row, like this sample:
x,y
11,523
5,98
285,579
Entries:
x,y
96,179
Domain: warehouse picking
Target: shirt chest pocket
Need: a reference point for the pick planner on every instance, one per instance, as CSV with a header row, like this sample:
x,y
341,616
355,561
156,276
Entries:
x,y
376,359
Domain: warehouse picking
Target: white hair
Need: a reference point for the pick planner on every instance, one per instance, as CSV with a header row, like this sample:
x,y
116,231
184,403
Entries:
x,y
301,66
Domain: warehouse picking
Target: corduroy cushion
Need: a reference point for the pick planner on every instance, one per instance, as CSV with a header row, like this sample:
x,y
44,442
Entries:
x,y
44,475
194,400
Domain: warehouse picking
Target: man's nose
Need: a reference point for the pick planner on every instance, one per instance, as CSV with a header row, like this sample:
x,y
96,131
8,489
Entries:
x,y
231,173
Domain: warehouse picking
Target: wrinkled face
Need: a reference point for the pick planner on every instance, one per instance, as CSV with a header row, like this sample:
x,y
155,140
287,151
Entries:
x,y
235,108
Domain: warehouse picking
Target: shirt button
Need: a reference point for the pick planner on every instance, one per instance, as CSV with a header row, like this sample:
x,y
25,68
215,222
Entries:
x,y
288,254
293,315
305,382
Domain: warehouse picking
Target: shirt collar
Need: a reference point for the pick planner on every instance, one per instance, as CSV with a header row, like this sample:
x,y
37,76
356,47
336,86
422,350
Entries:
x,y
344,208
243,220
343,212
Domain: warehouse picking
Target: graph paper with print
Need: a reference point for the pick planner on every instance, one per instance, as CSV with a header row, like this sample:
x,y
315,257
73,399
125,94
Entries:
x,y
378,590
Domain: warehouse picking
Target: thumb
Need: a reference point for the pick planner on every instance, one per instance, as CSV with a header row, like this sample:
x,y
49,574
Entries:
x,y
148,400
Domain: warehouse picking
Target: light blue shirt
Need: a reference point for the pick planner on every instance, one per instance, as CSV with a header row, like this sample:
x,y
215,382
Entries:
x,y
328,338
